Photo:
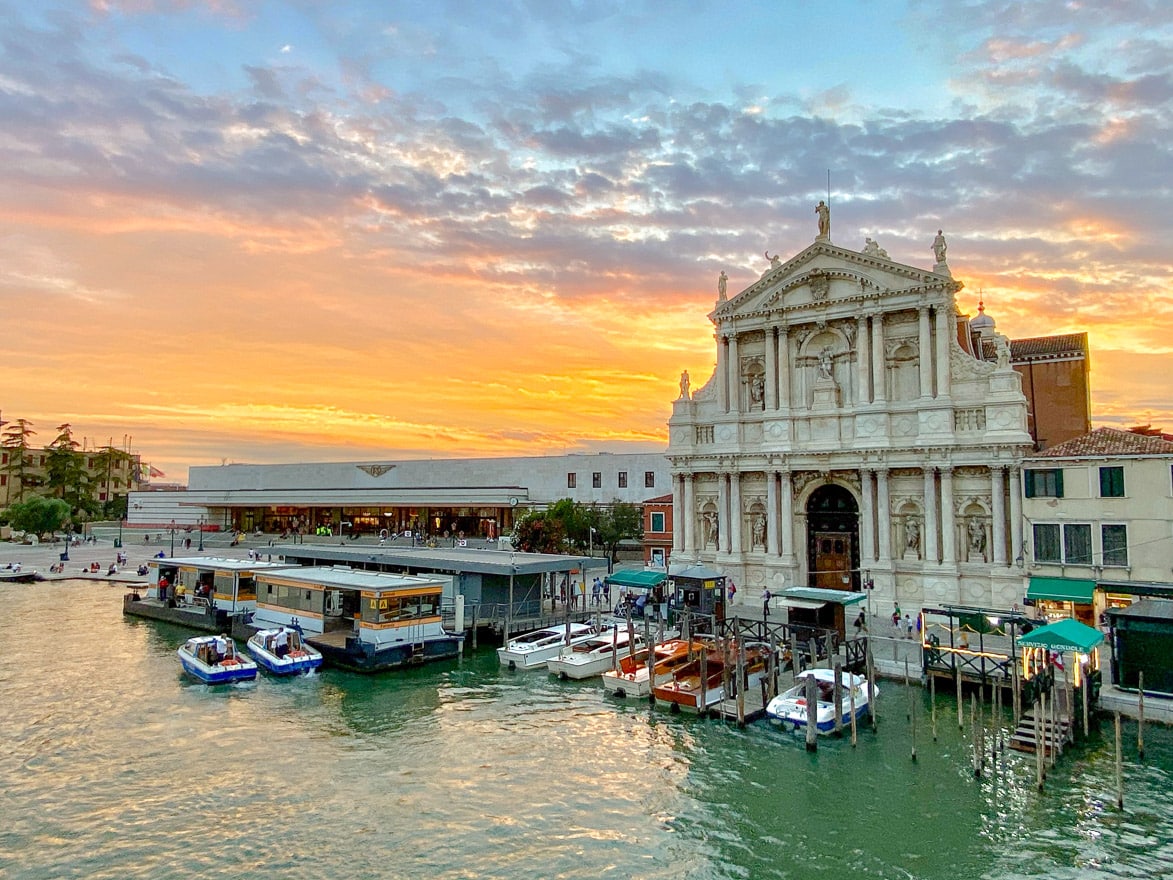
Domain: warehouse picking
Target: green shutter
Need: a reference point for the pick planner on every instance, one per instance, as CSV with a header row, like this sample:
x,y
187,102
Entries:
x,y
1059,483
1028,482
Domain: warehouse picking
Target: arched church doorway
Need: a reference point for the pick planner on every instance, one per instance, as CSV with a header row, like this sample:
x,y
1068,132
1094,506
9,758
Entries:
x,y
832,518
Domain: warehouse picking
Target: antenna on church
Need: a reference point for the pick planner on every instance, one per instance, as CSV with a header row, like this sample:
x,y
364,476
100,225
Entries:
x,y
828,187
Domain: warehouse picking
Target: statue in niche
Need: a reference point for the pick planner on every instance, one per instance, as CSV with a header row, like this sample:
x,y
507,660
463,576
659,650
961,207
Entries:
x,y
939,247
825,363
874,250
684,385
977,537
722,285
712,527
757,389
912,536
775,261
824,219
759,531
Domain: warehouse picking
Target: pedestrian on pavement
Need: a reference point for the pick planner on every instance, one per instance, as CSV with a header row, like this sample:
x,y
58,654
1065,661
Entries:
x,y
908,624
732,591
766,605
860,624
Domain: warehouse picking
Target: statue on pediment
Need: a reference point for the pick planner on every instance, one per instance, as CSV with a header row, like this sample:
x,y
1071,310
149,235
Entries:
x,y
684,385
1002,348
722,285
824,213
940,247
775,261
872,249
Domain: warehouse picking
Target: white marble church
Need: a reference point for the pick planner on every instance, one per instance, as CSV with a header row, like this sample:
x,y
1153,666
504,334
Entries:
x,y
850,433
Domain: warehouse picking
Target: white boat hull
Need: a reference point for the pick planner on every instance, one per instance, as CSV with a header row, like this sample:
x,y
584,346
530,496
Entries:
x,y
790,709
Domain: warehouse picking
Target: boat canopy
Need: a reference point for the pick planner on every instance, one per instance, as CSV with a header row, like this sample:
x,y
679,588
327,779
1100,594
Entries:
x,y
819,597
637,578
1055,589
1064,635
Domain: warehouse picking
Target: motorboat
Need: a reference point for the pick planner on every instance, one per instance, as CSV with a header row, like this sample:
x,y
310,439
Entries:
x,y
597,654
700,684
790,707
281,651
532,649
631,678
215,660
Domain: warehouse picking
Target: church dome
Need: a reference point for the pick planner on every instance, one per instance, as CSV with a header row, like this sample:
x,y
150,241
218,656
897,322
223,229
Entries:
x,y
983,323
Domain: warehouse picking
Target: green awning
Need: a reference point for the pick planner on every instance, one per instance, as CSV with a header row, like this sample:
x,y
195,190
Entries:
x,y
817,594
1061,589
1067,634
637,578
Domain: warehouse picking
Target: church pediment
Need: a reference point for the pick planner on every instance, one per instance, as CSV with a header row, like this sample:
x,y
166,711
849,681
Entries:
x,y
824,273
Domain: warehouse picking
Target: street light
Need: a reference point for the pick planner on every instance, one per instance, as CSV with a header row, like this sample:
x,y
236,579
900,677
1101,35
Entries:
x,y
173,527
202,520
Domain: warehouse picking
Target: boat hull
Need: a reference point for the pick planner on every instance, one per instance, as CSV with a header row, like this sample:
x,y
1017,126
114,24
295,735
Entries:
x,y
790,710
294,663
241,670
359,656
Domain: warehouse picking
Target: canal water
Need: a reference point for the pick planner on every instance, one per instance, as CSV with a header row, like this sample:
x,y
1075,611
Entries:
x,y
113,766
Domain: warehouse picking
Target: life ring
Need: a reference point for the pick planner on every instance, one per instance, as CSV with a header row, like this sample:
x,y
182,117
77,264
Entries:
x,y
229,662
383,534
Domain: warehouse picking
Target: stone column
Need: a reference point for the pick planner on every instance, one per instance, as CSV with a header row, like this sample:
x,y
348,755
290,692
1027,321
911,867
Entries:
x,y
883,516
678,509
948,523
863,359
929,532
734,371
771,402
879,377
998,512
925,339
722,513
722,373
1015,514
786,523
689,514
867,516
771,513
784,367
946,331
735,545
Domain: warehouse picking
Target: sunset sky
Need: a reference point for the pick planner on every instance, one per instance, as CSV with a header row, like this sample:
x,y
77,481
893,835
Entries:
x,y
272,232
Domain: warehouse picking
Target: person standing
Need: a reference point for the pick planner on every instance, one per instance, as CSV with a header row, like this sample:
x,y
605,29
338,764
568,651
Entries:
x,y
766,605
732,591
908,625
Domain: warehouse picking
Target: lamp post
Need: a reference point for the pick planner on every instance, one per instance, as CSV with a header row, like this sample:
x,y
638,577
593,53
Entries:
x,y
172,530
202,520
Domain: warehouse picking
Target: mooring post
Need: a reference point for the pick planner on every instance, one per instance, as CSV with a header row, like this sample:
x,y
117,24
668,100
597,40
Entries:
x,y
1084,698
871,675
812,714
837,696
702,698
933,703
1038,714
1140,714
1119,767
911,711
976,755
741,682
851,698
960,702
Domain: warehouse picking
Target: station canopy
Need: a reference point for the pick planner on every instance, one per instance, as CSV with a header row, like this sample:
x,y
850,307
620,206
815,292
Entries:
x,y
1053,589
1064,635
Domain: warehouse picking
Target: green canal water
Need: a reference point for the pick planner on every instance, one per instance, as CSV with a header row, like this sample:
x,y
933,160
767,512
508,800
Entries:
x,y
113,766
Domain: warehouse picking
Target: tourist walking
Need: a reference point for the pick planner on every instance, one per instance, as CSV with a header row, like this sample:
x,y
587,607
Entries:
x,y
766,605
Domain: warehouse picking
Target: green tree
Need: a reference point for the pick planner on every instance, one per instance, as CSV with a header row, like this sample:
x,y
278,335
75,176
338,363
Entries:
x,y
38,515
16,442
67,476
536,532
576,521
619,522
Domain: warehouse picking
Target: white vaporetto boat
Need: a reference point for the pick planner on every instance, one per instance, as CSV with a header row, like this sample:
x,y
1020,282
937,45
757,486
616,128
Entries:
x,y
281,651
215,660
790,707
596,655
533,649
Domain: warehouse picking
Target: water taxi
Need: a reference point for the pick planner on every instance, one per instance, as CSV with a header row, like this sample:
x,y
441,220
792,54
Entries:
x,y
533,649
596,655
365,621
698,689
790,708
631,678
282,651
215,660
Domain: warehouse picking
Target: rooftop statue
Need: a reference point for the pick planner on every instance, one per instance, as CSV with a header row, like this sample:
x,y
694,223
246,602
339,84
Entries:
x,y
824,213
874,250
722,285
939,247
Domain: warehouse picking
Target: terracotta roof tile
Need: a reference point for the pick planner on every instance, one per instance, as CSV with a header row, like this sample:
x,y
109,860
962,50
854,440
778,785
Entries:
x,y
1066,344
1108,441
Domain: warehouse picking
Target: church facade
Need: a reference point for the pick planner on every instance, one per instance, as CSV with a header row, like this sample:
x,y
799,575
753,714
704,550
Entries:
x,y
852,434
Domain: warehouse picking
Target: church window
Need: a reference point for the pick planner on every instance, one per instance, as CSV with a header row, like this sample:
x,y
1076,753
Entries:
x,y
1115,542
1111,482
1040,483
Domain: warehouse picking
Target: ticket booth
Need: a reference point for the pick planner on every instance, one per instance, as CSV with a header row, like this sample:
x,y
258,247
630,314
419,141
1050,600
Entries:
x,y
698,589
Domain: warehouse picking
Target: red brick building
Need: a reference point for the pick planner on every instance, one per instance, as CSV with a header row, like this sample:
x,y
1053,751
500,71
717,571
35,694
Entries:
x,y
657,543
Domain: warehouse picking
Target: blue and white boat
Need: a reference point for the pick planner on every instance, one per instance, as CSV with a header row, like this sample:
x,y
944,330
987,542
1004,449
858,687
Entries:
x,y
215,660
790,707
281,651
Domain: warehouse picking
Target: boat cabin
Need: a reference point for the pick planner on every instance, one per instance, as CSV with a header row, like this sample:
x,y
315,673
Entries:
x,y
207,581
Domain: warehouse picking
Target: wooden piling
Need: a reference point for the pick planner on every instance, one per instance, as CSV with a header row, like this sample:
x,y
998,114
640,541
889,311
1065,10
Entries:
x,y
960,701
933,703
851,699
976,755
837,696
911,711
741,683
1015,695
702,698
1140,714
1038,715
1084,699
873,702
1119,767
814,649
812,714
